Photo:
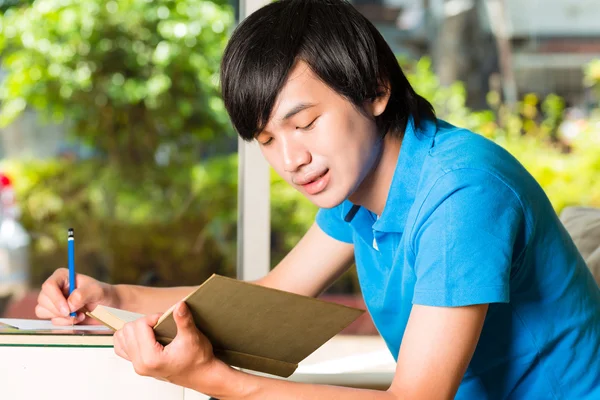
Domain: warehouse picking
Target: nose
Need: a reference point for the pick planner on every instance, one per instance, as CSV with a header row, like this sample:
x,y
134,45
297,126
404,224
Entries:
x,y
295,155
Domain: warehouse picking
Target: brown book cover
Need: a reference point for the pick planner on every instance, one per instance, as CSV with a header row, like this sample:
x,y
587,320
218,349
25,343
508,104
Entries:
x,y
251,326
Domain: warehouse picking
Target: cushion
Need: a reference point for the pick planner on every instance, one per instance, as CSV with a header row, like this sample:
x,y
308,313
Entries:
x,y
583,224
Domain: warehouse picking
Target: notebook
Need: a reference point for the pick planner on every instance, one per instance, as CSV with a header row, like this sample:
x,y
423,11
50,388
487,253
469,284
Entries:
x,y
30,332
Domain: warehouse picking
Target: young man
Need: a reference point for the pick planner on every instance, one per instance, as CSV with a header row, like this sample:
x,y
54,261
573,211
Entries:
x,y
468,274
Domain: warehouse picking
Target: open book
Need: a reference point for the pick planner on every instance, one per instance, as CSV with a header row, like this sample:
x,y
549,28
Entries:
x,y
250,326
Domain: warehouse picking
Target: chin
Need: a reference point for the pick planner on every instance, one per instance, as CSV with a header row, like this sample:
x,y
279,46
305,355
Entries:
x,y
325,200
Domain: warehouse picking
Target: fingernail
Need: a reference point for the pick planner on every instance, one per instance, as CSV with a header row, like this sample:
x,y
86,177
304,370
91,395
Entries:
x,y
80,317
65,311
181,310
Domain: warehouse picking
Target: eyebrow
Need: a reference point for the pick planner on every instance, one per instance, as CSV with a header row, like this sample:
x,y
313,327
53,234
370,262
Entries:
x,y
296,109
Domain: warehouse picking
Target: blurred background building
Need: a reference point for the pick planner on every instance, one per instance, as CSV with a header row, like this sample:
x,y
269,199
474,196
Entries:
x,y
541,45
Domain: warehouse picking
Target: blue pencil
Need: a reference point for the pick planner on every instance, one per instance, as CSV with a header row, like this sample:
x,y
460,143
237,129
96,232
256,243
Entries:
x,y
71,244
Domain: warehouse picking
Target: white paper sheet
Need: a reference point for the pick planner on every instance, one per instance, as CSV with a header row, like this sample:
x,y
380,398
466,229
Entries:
x,y
35,325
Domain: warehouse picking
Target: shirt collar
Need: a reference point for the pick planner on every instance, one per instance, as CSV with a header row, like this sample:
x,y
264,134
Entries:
x,y
416,143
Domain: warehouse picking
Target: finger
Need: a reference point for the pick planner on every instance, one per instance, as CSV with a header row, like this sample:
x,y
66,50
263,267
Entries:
x,y
134,339
184,321
81,280
44,302
152,319
148,350
85,295
128,341
143,335
52,288
119,346
57,319
121,353
68,320
61,277
43,313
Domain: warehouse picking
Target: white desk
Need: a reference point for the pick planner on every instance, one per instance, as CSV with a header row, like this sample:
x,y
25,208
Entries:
x,y
48,373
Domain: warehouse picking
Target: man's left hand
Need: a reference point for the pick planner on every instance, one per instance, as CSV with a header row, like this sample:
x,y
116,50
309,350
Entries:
x,y
184,361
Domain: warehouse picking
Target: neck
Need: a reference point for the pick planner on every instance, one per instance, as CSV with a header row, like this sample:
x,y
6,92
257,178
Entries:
x,y
373,191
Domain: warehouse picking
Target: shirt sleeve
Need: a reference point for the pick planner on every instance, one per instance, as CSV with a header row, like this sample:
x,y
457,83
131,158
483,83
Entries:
x,y
464,240
331,221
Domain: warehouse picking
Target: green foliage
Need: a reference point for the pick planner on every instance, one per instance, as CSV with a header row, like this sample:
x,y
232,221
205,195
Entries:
x,y
177,225
7,4
131,77
448,102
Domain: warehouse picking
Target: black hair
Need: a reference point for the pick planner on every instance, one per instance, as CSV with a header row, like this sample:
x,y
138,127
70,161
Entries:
x,y
340,46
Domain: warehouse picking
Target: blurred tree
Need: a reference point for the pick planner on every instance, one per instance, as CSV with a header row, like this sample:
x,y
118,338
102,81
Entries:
x,y
136,79
6,4
461,48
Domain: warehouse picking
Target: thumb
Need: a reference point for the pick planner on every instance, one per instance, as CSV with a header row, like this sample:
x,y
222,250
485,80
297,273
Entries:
x,y
85,295
78,299
183,319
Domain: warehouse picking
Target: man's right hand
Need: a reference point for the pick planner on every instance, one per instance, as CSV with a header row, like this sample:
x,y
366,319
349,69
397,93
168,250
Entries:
x,y
54,302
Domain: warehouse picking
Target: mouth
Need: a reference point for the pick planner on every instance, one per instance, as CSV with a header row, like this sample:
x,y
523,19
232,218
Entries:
x,y
317,184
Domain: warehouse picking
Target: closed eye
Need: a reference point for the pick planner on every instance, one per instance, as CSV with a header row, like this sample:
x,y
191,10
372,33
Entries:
x,y
267,142
309,126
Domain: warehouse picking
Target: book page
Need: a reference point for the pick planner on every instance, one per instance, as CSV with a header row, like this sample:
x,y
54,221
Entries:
x,y
126,316
42,325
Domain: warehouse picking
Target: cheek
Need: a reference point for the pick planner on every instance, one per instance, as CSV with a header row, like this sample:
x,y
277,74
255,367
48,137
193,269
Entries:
x,y
276,162
356,164
356,148
356,161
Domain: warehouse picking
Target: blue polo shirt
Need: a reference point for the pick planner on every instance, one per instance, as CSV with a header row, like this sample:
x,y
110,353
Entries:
x,y
464,223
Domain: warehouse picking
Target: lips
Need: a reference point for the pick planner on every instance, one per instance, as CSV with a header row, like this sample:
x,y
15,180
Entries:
x,y
311,178
317,183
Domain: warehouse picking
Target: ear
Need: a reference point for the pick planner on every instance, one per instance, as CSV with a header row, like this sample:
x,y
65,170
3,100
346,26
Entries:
x,y
377,105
